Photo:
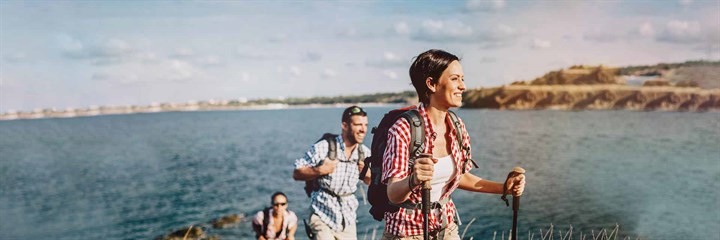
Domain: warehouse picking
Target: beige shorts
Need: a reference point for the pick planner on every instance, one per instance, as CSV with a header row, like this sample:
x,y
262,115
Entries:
x,y
450,232
323,232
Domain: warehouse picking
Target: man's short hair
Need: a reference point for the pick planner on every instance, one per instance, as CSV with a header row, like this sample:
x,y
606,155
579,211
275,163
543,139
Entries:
x,y
352,111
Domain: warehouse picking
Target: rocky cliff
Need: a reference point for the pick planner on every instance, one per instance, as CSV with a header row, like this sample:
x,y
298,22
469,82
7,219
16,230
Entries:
x,y
582,87
597,97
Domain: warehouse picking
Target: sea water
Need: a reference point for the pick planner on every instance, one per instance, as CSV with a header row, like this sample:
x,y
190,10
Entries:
x,y
656,175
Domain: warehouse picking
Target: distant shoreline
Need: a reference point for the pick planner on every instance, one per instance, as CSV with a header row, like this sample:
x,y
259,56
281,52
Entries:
x,y
128,110
691,86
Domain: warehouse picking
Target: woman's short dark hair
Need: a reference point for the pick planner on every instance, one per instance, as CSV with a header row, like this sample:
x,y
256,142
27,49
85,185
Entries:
x,y
272,199
431,63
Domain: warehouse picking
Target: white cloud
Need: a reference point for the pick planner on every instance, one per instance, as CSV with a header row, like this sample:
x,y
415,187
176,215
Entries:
x,y
646,30
181,71
540,44
328,73
114,47
350,33
681,32
388,60
485,5
295,71
280,37
402,28
502,32
311,56
183,53
245,77
125,78
388,56
390,74
149,57
6,82
499,36
101,76
248,53
164,71
69,44
456,31
487,59
685,2
438,31
111,51
602,36
15,57
210,60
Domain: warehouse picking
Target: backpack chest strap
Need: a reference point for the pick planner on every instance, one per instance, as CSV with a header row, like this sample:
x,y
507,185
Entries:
x,y
434,205
412,206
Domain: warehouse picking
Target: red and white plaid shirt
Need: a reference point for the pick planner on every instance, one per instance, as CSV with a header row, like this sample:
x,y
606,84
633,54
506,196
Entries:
x,y
396,164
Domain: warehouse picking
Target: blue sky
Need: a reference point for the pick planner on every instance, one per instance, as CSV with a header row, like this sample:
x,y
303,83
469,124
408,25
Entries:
x,y
76,54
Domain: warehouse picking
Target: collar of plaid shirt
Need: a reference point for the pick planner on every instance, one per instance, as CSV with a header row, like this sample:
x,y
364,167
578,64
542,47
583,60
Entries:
x,y
406,222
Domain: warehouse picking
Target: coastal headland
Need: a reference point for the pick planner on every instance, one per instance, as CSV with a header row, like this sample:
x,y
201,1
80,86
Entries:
x,y
690,86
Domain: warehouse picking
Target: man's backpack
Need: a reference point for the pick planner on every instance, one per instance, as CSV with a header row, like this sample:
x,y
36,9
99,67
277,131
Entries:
x,y
377,191
313,185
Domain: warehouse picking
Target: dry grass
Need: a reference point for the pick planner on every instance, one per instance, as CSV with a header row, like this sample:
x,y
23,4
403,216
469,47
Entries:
x,y
542,234
551,234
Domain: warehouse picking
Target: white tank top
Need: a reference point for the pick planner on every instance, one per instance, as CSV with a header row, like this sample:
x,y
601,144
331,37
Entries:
x,y
443,170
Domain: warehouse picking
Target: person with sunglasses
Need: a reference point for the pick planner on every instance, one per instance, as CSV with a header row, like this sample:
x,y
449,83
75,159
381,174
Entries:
x,y
333,204
275,222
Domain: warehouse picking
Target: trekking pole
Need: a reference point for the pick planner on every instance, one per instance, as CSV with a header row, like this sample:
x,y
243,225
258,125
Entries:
x,y
426,204
516,200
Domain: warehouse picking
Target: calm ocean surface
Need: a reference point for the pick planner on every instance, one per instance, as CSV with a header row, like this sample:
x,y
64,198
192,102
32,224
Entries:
x,y
655,174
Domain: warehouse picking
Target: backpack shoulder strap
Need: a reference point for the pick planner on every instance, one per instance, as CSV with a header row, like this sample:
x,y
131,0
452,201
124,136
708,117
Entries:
x,y
361,152
417,132
332,146
266,220
459,137
313,184
458,128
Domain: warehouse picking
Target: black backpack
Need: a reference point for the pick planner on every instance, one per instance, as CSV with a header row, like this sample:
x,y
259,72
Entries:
x,y
377,191
314,185
266,220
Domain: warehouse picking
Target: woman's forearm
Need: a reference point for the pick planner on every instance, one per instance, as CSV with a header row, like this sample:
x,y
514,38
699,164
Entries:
x,y
474,183
291,233
398,190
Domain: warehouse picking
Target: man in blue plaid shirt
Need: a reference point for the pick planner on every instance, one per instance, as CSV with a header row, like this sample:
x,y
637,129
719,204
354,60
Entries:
x,y
333,206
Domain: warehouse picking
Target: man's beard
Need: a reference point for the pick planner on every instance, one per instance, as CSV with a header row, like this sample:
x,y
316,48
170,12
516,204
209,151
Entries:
x,y
351,138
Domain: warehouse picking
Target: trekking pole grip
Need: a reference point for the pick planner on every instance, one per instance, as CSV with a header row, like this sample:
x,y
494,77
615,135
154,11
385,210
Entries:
x,y
426,188
426,195
516,199
425,202
516,171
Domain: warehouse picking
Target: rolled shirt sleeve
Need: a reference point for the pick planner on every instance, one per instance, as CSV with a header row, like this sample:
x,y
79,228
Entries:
x,y
396,156
313,155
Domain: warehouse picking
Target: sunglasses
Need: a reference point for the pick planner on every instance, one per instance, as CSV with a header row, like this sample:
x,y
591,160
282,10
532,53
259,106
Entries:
x,y
356,110
279,204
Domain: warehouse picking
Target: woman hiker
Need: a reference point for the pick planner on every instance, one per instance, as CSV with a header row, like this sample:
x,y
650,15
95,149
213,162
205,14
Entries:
x,y
275,222
438,79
